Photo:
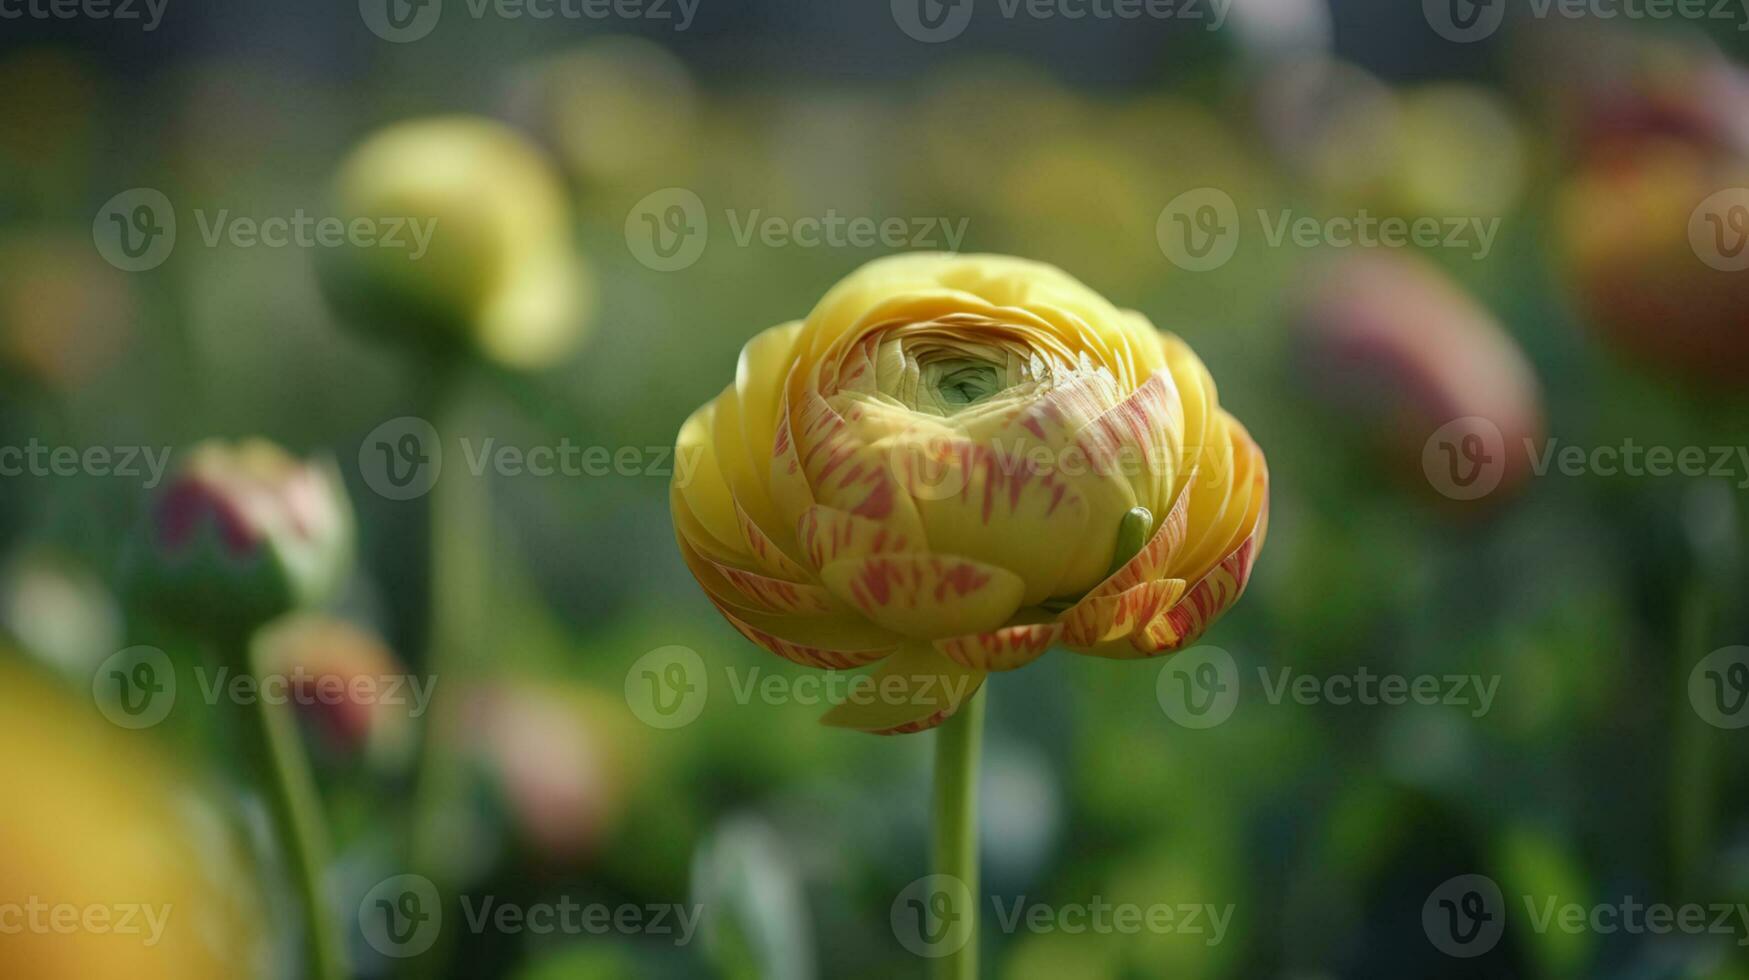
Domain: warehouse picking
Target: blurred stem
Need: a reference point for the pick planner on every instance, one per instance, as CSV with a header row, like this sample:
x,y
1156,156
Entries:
x,y
958,743
461,520
1692,790
272,736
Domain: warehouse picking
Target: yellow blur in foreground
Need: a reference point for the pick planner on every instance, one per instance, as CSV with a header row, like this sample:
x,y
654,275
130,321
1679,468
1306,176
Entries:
x,y
956,462
105,869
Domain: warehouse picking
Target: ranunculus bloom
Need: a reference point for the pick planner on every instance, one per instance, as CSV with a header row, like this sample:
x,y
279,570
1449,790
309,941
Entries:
x,y
103,826
242,534
955,462
496,272
1407,356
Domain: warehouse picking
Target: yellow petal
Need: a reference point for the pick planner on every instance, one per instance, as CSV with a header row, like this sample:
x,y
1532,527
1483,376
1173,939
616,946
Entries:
x,y
927,596
1004,649
1099,620
914,689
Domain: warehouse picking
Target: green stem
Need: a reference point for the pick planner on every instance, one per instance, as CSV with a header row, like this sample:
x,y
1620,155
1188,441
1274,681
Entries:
x,y
1692,789
958,742
461,520
272,734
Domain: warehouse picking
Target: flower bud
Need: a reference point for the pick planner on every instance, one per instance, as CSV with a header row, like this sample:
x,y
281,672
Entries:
x,y
1402,352
557,763
495,272
351,691
242,534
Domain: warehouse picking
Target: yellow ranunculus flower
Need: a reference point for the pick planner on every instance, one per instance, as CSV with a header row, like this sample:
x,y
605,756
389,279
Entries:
x,y
109,864
955,462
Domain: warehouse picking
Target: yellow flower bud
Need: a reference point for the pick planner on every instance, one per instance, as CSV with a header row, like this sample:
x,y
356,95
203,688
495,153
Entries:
x,y
956,462
495,270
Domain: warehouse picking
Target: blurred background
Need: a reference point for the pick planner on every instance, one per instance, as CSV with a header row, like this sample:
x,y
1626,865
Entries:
x,y
1472,276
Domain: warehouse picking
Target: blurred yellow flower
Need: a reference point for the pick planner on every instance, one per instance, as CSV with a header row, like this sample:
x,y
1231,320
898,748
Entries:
x,y
497,271
955,462
106,870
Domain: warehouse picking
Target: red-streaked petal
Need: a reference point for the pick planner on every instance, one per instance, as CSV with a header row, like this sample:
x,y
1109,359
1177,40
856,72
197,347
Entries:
x,y
927,596
1005,649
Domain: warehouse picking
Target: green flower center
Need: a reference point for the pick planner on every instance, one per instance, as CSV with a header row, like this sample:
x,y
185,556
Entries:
x,y
960,382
